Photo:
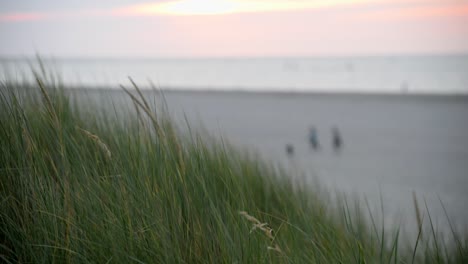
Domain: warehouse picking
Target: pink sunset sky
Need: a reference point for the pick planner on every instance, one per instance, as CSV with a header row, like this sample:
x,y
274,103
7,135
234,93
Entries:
x,y
232,28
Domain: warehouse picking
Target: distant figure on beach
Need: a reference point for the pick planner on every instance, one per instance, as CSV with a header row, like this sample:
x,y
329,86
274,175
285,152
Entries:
x,y
337,141
404,87
313,138
289,149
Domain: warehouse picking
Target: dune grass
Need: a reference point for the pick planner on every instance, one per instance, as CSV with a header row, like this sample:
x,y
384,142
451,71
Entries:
x,y
82,186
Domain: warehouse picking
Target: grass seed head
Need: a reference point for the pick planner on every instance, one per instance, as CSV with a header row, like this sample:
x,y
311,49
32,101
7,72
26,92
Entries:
x,y
97,140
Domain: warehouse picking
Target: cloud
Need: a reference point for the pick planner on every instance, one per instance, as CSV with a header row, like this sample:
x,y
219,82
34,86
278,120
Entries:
x,y
219,7
418,12
379,9
19,17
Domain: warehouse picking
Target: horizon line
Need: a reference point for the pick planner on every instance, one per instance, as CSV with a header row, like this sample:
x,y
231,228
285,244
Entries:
x,y
230,57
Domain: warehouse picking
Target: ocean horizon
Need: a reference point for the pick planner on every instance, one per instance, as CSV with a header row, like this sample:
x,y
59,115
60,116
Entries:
x,y
402,74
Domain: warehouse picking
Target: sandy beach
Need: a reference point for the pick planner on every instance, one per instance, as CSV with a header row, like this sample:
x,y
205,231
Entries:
x,y
393,144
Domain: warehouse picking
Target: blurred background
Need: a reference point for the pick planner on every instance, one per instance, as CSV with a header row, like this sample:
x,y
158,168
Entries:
x,y
368,96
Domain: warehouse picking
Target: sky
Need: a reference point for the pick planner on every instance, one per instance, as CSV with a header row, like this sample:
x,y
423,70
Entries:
x,y
232,28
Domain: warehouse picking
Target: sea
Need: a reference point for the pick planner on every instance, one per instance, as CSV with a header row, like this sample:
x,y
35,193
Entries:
x,y
402,120
375,74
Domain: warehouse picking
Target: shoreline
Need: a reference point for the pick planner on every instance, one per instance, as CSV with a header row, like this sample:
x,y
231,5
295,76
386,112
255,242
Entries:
x,y
274,93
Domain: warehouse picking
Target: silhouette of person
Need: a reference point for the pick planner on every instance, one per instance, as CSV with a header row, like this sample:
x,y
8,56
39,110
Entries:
x,y
289,149
313,138
337,141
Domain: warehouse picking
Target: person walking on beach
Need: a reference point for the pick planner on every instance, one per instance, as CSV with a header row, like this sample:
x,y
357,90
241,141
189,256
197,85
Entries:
x,y
313,138
337,141
289,149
